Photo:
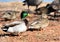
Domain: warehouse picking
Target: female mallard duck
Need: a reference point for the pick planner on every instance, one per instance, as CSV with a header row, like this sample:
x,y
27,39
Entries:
x,y
17,26
40,23
9,15
46,9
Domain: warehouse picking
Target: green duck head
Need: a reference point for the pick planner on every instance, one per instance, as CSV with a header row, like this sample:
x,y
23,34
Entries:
x,y
24,14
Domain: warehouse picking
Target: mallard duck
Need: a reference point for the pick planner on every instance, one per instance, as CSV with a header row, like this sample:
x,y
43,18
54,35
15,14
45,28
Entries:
x,y
40,23
45,9
9,15
17,26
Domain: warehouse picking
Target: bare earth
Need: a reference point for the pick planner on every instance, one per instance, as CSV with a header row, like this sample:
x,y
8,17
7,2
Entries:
x,y
48,34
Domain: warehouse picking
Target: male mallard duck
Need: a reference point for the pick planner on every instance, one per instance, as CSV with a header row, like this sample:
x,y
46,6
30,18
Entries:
x,y
17,26
40,23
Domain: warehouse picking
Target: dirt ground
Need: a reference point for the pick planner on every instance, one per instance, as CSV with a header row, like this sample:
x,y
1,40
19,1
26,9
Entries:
x,y
48,34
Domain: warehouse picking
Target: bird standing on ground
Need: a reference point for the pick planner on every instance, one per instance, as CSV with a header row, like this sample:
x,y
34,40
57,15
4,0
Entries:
x,y
32,3
56,5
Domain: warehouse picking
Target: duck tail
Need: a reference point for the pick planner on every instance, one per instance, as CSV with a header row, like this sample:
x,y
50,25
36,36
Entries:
x,y
5,29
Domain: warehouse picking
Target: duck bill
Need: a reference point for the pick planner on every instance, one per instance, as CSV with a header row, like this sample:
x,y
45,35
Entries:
x,y
29,15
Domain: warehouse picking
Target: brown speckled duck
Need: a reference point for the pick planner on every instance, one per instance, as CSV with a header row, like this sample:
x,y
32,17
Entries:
x,y
40,23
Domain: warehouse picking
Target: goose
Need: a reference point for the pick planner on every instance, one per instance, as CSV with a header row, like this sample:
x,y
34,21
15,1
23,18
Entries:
x,y
40,23
32,3
17,26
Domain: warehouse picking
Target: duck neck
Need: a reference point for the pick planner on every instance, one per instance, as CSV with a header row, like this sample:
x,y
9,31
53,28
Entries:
x,y
44,15
26,21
